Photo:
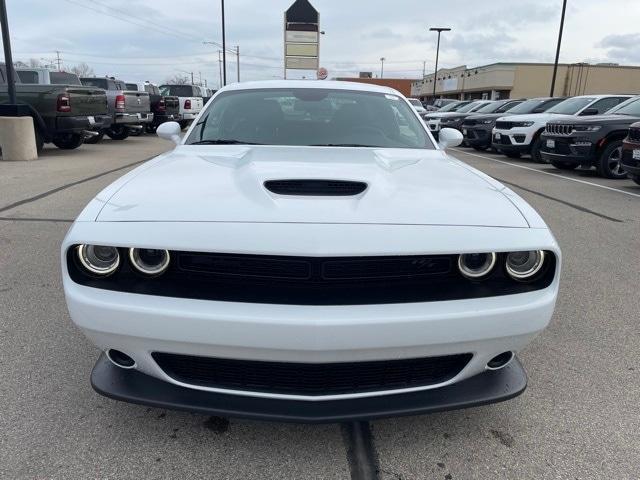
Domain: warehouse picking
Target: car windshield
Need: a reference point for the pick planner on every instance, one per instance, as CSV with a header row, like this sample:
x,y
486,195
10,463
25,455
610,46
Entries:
x,y
177,90
310,117
469,107
526,107
452,107
630,107
571,106
131,86
490,107
415,102
95,82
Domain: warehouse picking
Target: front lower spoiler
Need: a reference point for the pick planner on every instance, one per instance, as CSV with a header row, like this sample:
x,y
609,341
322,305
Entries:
x,y
136,387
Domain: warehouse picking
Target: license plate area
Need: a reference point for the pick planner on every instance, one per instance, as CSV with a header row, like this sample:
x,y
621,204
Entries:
x,y
551,144
636,154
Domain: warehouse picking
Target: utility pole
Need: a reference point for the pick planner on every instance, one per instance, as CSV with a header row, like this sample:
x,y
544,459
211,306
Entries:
x,y
200,78
555,65
191,78
8,59
424,68
435,74
58,60
382,67
238,61
224,49
220,68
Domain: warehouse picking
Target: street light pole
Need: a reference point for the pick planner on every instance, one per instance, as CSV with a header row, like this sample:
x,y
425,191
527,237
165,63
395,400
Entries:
x,y
224,49
435,74
382,68
555,65
8,59
238,61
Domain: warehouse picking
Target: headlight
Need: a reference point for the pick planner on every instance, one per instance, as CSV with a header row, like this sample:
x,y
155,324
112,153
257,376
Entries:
x,y
523,124
149,261
98,259
524,265
476,265
587,128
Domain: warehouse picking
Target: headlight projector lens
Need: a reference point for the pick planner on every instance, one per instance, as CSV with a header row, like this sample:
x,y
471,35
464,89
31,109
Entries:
x,y
476,265
149,261
524,265
98,259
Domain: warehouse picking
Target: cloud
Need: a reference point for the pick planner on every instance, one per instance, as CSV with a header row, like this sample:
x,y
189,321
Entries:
x,y
621,48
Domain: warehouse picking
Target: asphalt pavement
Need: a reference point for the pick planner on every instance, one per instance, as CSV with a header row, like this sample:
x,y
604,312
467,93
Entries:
x,y
577,420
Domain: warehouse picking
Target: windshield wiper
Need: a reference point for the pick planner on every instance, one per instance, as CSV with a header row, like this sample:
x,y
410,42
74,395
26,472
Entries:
x,y
224,141
345,145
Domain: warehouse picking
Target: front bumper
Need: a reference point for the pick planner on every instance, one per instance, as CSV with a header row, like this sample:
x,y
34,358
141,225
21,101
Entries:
x,y
477,136
135,387
515,140
577,151
133,118
81,123
630,164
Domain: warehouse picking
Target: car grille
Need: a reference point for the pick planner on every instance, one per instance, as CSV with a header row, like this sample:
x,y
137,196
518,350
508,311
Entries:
x,y
504,125
634,134
334,188
310,379
560,129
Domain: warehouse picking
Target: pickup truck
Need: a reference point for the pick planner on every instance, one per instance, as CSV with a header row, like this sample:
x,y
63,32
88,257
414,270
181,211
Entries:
x,y
595,141
44,76
61,113
130,110
191,101
164,109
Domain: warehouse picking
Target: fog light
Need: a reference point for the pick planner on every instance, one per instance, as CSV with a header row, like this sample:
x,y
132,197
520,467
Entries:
x,y
149,261
524,265
98,259
476,265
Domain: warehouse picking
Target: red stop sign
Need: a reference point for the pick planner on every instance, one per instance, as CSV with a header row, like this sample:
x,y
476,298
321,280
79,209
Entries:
x,y
323,73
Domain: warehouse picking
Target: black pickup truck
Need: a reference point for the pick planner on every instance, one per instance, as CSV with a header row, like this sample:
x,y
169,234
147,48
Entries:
x,y
61,113
591,141
164,108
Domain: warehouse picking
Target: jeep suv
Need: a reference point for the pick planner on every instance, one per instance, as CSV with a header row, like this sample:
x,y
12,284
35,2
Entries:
x,y
590,141
631,153
517,135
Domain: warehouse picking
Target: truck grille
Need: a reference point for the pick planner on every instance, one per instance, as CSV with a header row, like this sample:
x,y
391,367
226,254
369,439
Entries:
x,y
310,379
560,129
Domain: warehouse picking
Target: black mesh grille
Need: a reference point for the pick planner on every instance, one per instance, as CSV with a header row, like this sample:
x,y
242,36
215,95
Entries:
x,y
504,125
315,187
310,379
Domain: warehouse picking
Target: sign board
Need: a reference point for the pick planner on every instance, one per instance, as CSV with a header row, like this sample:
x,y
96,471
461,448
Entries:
x,y
323,73
450,84
301,37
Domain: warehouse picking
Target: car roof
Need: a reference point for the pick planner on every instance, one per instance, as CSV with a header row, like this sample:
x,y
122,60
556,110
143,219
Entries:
x,y
319,84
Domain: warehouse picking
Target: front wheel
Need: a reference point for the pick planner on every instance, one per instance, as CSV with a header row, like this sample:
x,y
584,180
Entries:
x,y
564,165
535,151
118,133
609,165
480,148
150,128
68,141
137,132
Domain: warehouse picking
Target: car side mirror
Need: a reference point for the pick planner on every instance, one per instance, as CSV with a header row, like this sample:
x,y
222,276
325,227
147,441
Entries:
x,y
449,137
589,111
170,131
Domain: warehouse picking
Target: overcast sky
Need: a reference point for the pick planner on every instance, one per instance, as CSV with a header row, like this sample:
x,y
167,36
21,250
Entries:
x,y
139,40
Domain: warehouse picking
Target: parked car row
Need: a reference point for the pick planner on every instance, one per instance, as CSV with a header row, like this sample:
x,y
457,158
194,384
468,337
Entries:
x,y
69,111
587,131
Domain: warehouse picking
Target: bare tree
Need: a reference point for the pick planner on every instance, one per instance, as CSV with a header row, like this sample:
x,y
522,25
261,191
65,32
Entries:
x,y
83,70
177,79
35,63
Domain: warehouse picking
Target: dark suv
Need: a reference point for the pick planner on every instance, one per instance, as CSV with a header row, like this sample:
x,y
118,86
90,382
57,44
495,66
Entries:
x,y
477,128
631,153
591,141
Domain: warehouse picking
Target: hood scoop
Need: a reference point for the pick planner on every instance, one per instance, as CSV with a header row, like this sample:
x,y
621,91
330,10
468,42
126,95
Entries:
x,y
321,188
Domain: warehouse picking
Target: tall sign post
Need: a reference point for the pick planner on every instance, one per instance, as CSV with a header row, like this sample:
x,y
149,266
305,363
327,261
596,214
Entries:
x,y
8,58
301,37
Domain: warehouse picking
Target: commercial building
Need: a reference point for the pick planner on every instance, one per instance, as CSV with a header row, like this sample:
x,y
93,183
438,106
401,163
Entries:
x,y
403,85
527,80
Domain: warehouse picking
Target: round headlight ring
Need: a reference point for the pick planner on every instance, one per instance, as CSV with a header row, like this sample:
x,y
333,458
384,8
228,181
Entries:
x,y
476,273
136,256
528,269
99,260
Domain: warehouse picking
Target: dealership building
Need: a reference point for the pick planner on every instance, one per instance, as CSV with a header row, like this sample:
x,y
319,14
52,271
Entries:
x,y
527,80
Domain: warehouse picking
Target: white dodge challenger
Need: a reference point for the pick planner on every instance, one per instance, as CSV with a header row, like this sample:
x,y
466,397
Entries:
x,y
308,253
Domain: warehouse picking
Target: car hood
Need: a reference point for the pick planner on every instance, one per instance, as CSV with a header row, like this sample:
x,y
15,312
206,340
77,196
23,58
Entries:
x,y
599,120
535,117
226,184
445,114
485,116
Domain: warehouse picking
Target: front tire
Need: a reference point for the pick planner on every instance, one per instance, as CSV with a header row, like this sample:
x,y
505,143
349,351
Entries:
x,y
609,165
69,141
151,128
118,133
480,148
535,151
559,164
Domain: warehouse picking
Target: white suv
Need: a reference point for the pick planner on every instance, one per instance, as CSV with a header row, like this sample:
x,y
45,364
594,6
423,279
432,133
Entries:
x,y
517,135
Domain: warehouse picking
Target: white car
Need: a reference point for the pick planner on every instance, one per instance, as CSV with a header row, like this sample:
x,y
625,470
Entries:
x,y
520,134
316,266
434,119
417,105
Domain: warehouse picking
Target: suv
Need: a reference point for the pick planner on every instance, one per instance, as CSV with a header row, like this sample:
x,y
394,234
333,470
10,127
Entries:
x,y
477,128
631,153
496,106
590,142
517,135
434,119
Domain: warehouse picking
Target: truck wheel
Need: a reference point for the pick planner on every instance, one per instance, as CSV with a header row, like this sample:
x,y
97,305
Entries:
x,y
95,138
535,151
564,165
136,133
68,141
183,124
609,162
118,133
636,178
512,154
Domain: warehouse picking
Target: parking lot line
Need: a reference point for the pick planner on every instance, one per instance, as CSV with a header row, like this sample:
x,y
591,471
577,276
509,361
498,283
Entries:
x,y
524,167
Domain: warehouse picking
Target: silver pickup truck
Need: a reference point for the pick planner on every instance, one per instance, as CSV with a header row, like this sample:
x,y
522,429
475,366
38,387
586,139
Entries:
x,y
131,110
